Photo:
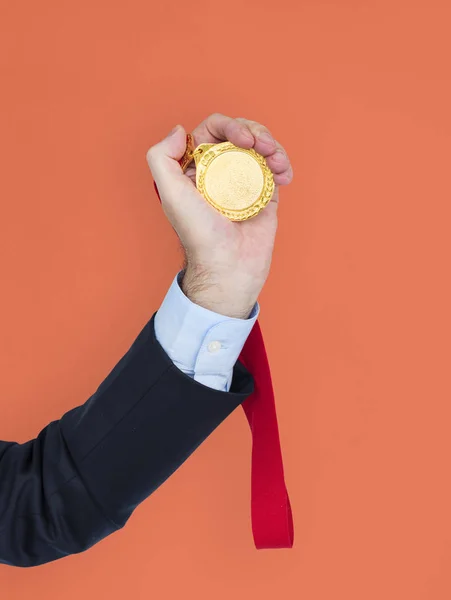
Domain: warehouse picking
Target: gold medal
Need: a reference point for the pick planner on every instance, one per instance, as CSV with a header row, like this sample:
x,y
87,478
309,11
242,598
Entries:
x,y
236,182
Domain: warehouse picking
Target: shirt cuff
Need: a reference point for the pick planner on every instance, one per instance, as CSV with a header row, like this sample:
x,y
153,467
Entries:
x,y
203,344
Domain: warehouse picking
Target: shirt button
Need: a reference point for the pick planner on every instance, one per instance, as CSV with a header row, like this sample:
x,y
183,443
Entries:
x,y
214,347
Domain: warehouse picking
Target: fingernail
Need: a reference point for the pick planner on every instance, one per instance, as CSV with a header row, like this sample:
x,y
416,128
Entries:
x,y
173,131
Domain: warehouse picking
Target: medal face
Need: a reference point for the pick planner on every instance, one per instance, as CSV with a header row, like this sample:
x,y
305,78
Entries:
x,y
235,181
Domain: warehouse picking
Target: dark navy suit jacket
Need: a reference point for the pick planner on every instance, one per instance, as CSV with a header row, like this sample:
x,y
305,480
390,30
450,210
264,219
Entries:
x,y
83,475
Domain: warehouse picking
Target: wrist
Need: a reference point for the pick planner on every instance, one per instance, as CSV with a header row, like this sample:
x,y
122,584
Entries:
x,y
229,294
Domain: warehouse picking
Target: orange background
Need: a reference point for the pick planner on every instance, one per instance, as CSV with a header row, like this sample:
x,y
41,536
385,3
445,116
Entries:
x,y
356,313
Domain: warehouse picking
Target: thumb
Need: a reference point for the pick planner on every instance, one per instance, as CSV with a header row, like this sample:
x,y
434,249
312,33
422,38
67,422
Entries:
x,y
163,158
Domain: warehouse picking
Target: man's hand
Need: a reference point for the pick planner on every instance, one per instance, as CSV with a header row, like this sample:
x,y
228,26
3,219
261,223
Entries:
x,y
227,262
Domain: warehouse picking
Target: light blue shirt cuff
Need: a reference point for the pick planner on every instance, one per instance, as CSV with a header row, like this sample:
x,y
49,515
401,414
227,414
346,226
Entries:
x,y
201,343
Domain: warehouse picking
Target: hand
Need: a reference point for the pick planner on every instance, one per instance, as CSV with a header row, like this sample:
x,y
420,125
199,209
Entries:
x,y
227,262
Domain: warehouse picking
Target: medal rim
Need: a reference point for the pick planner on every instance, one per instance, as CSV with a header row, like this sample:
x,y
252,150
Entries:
x,y
268,181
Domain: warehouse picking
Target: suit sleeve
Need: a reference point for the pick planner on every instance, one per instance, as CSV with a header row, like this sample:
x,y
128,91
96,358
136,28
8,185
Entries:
x,y
82,477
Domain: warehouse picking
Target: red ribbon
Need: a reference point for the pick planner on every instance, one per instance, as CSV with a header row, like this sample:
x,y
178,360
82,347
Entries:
x,y
272,520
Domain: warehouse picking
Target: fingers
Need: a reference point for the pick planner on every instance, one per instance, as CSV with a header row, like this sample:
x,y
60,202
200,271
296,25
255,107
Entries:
x,y
264,144
219,128
163,157
280,165
284,178
247,134
272,150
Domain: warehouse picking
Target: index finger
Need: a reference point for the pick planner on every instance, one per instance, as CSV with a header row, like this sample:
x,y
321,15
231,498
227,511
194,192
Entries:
x,y
219,128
